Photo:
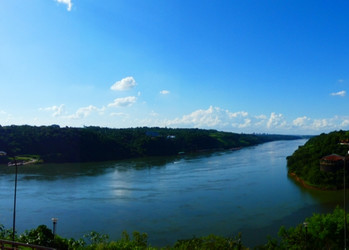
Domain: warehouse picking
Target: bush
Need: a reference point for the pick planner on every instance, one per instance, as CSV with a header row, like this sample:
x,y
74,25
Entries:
x,y
210,242
42,236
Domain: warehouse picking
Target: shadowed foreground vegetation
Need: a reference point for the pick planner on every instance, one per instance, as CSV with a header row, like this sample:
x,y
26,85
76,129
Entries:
x,y
324,231
92,144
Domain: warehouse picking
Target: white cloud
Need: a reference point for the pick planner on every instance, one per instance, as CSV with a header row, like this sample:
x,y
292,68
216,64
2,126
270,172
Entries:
x,y
118,114
164,92
345,123
86,111
200,118
260,120
153,113
276,121
320,123
210,118
213,117
247,123
237,114
66,2
123,102
241,121
56,110
261,117
340,93
300,121
124,84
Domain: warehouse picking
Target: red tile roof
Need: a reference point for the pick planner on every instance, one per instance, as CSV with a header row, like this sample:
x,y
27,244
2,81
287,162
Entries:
x,y
333,157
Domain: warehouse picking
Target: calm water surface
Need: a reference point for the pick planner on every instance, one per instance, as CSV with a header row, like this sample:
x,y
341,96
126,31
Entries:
x,y
223,193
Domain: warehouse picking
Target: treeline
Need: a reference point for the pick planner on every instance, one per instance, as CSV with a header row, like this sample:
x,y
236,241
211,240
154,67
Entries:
x,y
305,161
56,144
321,231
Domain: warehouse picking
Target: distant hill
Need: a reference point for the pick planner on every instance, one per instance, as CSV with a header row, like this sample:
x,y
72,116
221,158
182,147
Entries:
x,y
56,144
305,161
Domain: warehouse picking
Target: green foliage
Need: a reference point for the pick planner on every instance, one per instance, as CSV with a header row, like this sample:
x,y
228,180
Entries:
x,y
305,161
56,144
43,236
210,242
5,234
139,241
39,236
95,238
324,231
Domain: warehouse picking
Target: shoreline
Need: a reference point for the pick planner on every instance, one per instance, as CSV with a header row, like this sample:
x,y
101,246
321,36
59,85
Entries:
x,y
304,184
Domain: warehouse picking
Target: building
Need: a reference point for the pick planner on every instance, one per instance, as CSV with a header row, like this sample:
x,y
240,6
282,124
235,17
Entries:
x,y
331,163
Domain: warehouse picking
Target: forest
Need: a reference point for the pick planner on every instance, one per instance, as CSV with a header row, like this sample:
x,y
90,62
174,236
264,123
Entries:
x,y
67,144
305,161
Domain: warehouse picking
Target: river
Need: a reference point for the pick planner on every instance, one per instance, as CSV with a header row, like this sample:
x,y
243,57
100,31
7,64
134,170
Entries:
x,y
169,198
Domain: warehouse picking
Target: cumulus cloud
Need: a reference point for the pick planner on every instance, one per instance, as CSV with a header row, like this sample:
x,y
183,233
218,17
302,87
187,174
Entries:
x,y
66,2
237,114
218,118
85,112
340,93
260,120
247,123
124,84
276,120
345,123
320,123
123,102
213,117
56,110
200,118
242,121
261,117
300,121
164,92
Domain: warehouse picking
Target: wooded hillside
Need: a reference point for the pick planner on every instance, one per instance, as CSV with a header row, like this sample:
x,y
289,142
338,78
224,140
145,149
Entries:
x,y
305,161
56,144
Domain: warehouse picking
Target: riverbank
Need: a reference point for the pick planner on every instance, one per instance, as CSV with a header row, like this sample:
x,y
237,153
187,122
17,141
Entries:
x,y
307,185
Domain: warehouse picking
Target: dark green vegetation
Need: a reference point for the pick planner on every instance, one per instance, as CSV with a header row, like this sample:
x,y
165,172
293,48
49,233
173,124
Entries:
x,y
43,236
323,231
55,144
306,159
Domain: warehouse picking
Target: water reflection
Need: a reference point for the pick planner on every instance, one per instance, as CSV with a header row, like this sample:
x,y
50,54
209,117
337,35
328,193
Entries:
x,y
331,198
73,170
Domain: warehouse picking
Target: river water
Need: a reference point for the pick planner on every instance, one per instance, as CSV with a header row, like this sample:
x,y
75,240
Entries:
x,y
169,198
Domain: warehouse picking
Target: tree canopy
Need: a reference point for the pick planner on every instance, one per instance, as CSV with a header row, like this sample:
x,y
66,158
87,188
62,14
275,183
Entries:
x,y
56,144
305,161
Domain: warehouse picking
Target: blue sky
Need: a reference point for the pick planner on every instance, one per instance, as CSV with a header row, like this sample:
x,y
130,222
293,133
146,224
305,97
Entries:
x,y
241,66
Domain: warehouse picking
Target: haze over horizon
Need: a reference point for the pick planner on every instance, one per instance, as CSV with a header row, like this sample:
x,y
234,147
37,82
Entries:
x,y
238,66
